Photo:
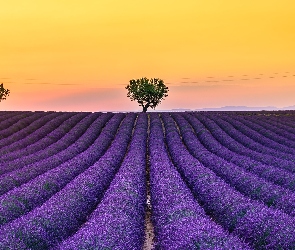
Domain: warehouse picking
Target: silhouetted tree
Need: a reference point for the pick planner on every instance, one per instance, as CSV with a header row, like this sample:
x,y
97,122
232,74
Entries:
x,y
147,92
3,92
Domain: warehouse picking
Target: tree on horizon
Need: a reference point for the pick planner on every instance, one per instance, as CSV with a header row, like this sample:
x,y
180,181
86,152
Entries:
x,y
147,92
3,92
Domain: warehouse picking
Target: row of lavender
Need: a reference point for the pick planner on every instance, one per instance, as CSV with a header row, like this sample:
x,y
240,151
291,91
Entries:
x,y
69,145
253,221
95,198
52,174
225,147
179,220
65,195
21,125
247,183
29,139
252,139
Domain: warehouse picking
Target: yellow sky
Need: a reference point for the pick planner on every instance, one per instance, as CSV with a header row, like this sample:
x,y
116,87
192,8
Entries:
x,y
79,55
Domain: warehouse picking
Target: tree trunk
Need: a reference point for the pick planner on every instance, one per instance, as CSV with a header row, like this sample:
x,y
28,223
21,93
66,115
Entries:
x,y
145,107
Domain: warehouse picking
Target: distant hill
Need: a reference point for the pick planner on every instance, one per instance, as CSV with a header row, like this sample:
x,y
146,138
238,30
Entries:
x,y
289,108
239,108
225,108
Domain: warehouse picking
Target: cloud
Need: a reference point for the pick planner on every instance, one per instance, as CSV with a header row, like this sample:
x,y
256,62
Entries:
x,y
41,83
185,78
48,83
69,84
86,97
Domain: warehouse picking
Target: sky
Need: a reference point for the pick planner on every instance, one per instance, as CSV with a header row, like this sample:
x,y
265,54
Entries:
x,y
74,55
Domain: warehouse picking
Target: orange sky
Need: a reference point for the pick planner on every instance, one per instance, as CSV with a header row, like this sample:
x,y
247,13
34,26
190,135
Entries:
x,y
79,55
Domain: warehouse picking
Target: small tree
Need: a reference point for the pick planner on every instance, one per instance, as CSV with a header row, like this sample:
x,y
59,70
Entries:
x,y
148,93
3,92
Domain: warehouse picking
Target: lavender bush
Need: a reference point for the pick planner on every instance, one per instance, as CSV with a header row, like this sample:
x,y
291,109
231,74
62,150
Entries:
x,y
23,199
36,141
80,180
276,175
25,127
273,129
253,140
259,225
245,182
180,222
64,212
66,148
235,146
51,150
18,122
118,220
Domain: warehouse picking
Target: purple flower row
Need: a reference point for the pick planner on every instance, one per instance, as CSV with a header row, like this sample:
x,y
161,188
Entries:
x,y
41,138
77,129
260,226
276,175
15,123
235,146
73,143
8,118
32,194
67,210
76,140
118,220
25,127
252,139
24,132
179,221
8,114
278,132
287,120
29,144
245,182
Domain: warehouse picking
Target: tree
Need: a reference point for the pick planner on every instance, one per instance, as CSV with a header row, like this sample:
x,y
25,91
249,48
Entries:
x,y
147,92
3,92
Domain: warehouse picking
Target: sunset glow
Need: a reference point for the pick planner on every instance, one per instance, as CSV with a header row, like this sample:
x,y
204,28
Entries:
x,y
79,55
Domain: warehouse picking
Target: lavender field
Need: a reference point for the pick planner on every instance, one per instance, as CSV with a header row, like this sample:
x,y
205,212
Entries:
x,y
179,180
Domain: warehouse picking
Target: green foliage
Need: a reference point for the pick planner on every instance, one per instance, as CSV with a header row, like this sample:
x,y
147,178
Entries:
x,y
147,92
3,92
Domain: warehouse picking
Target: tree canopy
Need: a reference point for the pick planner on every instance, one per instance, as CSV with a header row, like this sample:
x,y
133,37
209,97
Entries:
x,y
147,92
3,92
